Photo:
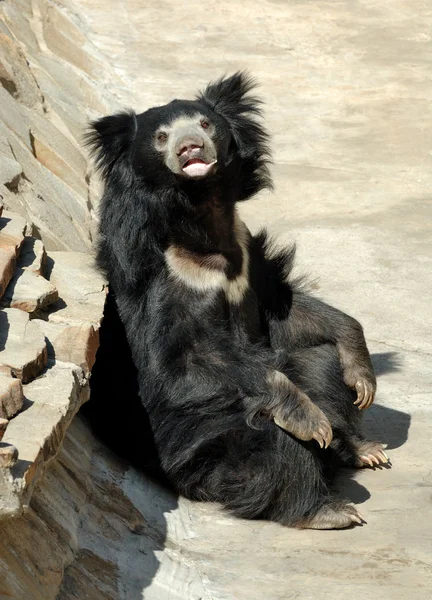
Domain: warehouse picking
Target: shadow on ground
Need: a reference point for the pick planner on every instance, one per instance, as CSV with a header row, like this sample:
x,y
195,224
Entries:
x,y
380,423
386,362
383,424
117,417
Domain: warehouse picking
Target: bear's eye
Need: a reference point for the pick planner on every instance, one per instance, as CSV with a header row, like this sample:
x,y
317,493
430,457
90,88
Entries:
x,y
161,136
205,124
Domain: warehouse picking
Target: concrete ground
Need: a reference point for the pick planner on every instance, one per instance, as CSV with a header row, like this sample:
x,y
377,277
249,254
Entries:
x,y
347,88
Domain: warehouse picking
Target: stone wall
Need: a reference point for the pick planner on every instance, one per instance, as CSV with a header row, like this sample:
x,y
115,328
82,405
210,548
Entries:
x,y
52,83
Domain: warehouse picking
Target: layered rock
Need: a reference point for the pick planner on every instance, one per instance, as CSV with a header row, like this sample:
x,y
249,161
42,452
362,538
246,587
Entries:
x,y
12,228
29,292
51,307
47,96
99,528
11,395
51,298
24,350
44,366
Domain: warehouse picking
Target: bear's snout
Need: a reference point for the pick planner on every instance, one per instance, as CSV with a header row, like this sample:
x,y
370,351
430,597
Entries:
x,y
194,153
189,144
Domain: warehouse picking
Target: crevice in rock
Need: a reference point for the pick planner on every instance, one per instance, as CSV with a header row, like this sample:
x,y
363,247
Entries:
x,y
9,86
13,185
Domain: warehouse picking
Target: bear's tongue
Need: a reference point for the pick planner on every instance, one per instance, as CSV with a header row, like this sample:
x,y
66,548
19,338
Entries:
x,y
195,167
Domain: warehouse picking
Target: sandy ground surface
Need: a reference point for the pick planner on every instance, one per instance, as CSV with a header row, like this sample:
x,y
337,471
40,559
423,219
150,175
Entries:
x,y
348,88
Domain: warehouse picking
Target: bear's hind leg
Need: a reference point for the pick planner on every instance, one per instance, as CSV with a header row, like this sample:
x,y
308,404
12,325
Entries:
x,y
369,453
333,515
268,474
317,372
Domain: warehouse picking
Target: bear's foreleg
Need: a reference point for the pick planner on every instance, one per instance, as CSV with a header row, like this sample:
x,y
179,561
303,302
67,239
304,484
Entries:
x,y
312,322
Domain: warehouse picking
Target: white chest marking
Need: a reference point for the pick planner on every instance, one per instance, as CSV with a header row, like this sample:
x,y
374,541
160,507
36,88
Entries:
x,y
203,278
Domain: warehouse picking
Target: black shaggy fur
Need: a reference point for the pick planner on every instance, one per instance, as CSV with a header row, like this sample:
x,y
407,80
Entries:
x,y
205,360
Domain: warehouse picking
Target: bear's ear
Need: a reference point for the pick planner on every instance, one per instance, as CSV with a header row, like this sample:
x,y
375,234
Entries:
x,y
110,138
229,97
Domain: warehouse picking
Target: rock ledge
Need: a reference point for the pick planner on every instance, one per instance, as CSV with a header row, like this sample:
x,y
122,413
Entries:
x,y
48,344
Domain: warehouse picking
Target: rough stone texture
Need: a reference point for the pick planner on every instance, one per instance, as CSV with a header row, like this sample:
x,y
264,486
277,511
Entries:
x,y
29,292
55,151
22,344
66,39
15,74
8,455
82,289
3,425
18,23
32,256
11,118
12,228
347,88
48,92
61,216
51,402
11,396
7,267
100,530
10,171
26,288
76,344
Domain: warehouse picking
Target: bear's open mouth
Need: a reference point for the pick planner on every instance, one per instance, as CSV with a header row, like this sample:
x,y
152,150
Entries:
x,y
196,167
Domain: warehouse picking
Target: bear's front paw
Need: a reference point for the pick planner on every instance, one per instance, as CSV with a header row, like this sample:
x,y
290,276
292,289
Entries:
x,y
306,422
364,382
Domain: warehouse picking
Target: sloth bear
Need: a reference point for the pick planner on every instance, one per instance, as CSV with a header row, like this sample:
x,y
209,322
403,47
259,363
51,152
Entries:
x,y
252,387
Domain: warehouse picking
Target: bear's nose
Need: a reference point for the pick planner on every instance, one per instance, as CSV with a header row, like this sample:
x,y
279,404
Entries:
x,y
186,145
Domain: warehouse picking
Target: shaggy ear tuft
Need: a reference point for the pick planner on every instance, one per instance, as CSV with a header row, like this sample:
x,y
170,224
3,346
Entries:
x,y
232,92
110,138
229,97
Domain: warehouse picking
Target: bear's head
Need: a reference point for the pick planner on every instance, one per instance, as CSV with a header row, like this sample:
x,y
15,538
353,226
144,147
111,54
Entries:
x,y
216,137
